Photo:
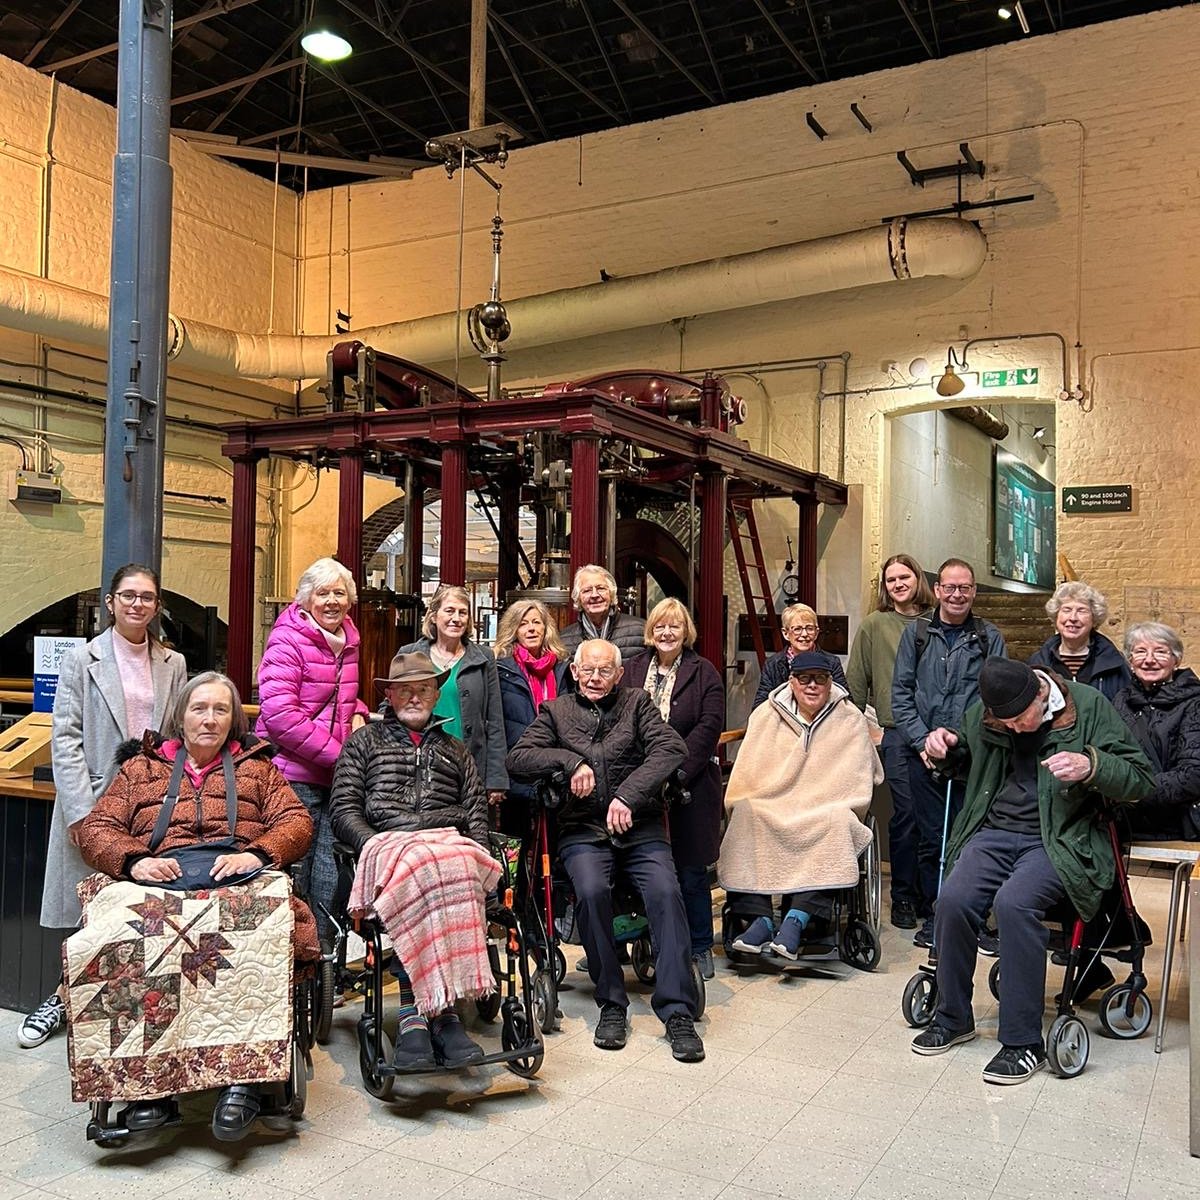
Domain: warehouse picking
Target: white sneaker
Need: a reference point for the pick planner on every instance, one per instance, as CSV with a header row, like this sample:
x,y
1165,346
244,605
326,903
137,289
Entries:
x,y
45,1020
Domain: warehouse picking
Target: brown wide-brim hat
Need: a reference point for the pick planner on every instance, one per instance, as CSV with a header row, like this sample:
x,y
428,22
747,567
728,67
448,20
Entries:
x,y
409,668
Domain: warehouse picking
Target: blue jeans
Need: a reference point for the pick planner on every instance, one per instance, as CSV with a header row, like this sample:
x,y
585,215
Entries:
x,y
319,867
650,867
1011,874
902,828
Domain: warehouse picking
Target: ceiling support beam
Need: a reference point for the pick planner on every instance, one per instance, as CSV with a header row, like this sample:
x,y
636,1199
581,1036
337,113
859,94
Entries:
x,y
519,80
244,80
612,71
661,46
320,162
712,61
59,21
355,94
812,24
244,91
789,45
912,20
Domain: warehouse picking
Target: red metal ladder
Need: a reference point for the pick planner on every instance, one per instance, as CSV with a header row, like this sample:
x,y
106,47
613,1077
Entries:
x,y
760,608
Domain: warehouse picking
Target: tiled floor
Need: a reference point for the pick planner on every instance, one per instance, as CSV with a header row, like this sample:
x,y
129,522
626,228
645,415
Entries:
x,y
809,1089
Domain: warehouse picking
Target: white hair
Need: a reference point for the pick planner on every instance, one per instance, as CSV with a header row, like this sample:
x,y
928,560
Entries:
x,y
322,573
612,646
593,569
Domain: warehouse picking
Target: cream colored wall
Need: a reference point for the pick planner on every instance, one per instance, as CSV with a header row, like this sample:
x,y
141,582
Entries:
x,y
233,263
1105,254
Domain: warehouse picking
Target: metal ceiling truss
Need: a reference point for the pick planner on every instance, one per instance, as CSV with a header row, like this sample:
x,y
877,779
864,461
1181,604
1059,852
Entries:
x,y
910,16
662,48
518,79
788,44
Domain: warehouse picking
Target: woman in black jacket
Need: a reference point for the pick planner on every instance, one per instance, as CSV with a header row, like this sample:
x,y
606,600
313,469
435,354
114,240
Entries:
x,y
801,631
1076,651
690,697
1162,709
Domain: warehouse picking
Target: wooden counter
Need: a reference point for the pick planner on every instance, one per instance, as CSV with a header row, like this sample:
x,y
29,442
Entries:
x,y
1193,900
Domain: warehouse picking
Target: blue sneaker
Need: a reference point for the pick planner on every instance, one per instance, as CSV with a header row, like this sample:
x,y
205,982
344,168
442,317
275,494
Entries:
x,y
787,941
752,939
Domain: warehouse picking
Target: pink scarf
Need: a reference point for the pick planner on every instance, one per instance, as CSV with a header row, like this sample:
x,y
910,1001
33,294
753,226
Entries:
x,y
539,673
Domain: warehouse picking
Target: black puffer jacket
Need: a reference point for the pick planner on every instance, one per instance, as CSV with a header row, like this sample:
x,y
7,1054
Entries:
x,y
383,782
627,633
1166,723
1105,668
626,743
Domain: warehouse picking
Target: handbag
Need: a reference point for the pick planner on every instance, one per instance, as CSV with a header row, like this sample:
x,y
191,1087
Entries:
x,y
198,860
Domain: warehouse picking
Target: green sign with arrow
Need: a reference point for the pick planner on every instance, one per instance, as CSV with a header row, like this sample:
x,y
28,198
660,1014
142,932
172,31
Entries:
x,y
1099,498
1013,377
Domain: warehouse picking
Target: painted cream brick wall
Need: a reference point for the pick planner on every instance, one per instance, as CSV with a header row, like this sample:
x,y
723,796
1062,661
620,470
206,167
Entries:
x,y
1105,254
233,263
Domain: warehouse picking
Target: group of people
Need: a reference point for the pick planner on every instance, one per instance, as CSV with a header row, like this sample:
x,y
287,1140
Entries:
x,y
1018,756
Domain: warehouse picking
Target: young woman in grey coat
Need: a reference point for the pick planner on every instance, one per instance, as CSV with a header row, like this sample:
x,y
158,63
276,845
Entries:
x,y
113,689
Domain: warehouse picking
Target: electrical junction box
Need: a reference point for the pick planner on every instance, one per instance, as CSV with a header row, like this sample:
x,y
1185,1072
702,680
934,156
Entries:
x,y
34,487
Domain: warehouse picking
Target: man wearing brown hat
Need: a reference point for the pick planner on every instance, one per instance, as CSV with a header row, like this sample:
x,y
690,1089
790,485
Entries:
x,y
1040,755
405,773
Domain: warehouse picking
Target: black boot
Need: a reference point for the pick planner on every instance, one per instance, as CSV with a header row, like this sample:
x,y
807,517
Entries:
x,y
236,1109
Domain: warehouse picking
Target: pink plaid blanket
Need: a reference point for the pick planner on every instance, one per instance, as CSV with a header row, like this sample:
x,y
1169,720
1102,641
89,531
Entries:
x,y
428,889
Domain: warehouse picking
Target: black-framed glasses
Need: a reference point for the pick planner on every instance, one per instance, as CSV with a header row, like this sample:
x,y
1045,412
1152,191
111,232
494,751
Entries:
x,y
964,588
130,598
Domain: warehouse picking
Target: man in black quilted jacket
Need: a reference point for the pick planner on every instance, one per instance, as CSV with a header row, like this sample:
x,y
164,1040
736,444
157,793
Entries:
x,y
617,752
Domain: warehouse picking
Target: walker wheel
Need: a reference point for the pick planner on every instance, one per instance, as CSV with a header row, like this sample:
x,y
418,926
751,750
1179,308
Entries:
x,y
545,1001
514,1035
994,979
1067,1047
920,999
641,954
326,989
379,1086
860,947
560,966
1124,1012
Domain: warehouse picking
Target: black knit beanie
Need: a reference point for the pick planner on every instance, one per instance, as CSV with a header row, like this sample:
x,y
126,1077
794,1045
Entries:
x,y
1007,688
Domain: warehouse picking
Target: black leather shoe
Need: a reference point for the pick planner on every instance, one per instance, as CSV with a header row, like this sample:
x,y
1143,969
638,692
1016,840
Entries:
x,y
451,1045
236,1109
414,1051
148,1114
904,914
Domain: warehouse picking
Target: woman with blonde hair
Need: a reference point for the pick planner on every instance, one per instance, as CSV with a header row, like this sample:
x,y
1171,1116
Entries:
x,y
801,631
531,662
690,697
469,704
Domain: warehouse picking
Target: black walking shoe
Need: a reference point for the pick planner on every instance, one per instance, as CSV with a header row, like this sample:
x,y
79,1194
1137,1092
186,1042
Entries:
x,y
904,914
451,1046
924,937
686,1045
1015,1064
937,1039
988,944
414,1050
612,1030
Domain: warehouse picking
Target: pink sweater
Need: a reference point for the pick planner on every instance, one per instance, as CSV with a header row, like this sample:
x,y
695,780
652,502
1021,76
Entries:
x,y
137,682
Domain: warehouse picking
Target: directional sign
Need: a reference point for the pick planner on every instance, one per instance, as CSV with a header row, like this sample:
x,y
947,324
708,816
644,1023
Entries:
x,y
1097,498
1013,377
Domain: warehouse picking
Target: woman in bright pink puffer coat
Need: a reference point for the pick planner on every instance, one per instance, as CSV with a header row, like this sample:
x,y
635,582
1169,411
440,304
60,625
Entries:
x,y
309,705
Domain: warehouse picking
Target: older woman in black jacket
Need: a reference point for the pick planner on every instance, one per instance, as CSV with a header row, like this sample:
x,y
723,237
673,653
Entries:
x,y
1162,709
690,697
1076,651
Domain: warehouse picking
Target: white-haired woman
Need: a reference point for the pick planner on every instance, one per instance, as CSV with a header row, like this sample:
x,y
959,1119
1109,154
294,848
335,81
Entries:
x,y
309,704
801,631
469,704
1162,709
1076,651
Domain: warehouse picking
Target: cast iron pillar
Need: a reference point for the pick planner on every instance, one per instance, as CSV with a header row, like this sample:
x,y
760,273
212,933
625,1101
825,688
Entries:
x,y
710,609
414,532
350,514
585,502
453,532
806,550
509,542
135,422
240,648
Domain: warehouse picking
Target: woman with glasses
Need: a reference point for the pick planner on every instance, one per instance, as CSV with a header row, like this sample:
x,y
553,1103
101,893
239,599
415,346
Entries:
x,y
117,687
1162,709
1076,651
309,705
689,695
801,631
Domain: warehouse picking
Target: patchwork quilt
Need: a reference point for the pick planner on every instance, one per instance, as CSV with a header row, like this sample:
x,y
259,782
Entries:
x,y
173,992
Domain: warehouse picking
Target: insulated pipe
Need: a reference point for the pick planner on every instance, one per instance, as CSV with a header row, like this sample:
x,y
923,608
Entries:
x,y
903,249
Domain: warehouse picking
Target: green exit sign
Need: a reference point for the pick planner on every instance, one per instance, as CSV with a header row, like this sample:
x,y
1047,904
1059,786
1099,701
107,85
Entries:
x,y
1013,377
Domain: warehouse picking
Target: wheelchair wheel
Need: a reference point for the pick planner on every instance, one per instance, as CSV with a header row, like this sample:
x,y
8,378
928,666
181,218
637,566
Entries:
x,y
1124,1013
325,988
641,954
872,882
701,995
488,1007
920,999
545,1000
1067,1047
297,1085
560,966
514,1034
379,1086
860,947
994,980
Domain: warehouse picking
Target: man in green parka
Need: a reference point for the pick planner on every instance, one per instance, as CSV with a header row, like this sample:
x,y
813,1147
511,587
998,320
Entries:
x,y
1041,756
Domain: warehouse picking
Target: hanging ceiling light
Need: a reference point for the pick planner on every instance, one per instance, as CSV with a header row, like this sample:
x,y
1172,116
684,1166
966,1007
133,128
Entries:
x,y
324,38
1006,12
950,384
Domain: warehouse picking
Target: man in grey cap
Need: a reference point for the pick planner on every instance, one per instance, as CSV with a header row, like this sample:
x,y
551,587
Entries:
x,y
1041,755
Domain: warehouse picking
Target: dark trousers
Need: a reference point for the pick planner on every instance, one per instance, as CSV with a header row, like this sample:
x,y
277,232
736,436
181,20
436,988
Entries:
x,y
1011,874
651,869
817,903
929,808
319,868
697,903
902,828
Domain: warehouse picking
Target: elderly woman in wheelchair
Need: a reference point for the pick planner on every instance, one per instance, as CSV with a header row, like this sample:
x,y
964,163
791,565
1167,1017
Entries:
x,y
181,978
798,825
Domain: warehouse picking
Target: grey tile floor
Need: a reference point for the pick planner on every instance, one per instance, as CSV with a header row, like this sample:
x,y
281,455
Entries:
x,y
809,1088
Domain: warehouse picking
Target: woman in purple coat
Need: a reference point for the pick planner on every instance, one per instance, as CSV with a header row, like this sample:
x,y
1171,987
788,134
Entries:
x,y
690,695
309,705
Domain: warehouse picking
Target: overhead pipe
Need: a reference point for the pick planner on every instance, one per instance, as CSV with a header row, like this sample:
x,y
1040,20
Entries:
x,y
904,249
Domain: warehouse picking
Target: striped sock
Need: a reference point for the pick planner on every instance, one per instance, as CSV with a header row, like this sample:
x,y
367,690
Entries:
x,y
408,1019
